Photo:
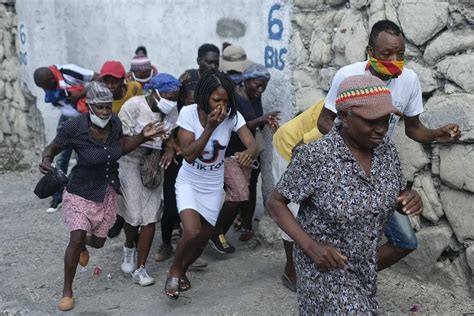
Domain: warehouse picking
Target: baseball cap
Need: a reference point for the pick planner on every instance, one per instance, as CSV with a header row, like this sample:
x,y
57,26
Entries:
x,y
113,68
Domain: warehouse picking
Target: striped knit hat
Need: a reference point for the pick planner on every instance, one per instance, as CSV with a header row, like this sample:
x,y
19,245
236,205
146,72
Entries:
x,y
366,96
140,62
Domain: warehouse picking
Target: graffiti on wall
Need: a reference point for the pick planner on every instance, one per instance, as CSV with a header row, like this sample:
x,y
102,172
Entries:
x,y
274,53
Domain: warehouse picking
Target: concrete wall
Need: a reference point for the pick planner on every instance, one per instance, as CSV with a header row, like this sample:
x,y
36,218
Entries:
x,y
20,123
88,32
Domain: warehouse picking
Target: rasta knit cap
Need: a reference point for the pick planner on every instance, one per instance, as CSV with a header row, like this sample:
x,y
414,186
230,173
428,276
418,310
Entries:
x,y
366,96
97,92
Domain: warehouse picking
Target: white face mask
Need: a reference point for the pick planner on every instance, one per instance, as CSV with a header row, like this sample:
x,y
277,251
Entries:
x,y
165,105
142,80
97,121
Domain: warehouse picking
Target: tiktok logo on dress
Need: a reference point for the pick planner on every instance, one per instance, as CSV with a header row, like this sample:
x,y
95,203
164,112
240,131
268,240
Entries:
x,y
210,157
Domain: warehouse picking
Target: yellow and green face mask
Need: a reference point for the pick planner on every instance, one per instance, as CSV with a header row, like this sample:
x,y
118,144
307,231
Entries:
x,y
387,68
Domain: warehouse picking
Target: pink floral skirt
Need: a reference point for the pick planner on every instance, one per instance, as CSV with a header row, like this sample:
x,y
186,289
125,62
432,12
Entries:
x,y
94,218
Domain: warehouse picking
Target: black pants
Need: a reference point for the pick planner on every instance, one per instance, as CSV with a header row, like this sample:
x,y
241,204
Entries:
x,y
170,210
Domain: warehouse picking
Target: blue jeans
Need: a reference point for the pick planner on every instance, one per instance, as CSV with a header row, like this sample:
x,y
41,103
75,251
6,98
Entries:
x,y
62,161
399,232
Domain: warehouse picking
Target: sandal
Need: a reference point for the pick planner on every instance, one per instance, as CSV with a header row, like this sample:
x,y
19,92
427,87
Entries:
x,y
245,234
184,284
287,283
172,287
66,303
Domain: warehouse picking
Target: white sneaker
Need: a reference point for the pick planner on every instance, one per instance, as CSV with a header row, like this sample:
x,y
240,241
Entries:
x,y
141,277
128,263
55,206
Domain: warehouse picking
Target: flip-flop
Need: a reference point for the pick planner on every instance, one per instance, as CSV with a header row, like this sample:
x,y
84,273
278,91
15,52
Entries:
x,y
184,284
172,284
287,283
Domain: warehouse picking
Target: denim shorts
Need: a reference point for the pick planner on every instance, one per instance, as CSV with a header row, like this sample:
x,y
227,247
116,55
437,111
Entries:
x,y
399,232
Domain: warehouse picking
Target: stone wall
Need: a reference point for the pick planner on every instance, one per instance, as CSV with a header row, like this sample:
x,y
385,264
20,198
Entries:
x,y
328,34
21,127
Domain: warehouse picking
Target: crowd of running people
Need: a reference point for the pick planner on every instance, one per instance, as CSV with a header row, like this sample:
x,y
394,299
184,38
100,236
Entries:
x,y
185,151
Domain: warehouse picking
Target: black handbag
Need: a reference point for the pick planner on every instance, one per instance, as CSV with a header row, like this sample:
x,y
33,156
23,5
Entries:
x,y
54,181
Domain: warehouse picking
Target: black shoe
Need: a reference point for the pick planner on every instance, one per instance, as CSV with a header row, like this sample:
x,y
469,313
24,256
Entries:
x,y
221,245
54,206
118,225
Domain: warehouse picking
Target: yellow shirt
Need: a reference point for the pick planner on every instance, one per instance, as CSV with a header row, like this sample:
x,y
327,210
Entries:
x,y
302,127
133,89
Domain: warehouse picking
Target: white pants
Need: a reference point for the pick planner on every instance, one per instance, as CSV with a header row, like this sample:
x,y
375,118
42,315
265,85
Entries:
x,y
278,168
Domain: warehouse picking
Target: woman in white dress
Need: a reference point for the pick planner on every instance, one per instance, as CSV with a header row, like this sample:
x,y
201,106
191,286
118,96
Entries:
x,y
204,133
139,205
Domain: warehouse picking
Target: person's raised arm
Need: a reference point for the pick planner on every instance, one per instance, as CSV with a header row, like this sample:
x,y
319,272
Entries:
x,y
192,147
149,132
263,120
415,129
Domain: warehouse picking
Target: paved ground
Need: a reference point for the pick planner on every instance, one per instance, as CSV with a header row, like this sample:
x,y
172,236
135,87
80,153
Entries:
x,y
245,283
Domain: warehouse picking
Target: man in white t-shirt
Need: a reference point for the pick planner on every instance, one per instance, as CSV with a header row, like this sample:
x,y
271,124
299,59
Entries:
x,y
386,60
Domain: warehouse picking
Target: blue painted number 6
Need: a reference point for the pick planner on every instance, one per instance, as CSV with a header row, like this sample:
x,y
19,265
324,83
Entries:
x,y
275,26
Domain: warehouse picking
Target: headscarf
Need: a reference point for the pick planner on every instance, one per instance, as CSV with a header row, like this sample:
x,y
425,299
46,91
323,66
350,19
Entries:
x,y
97,92
256,71
163,82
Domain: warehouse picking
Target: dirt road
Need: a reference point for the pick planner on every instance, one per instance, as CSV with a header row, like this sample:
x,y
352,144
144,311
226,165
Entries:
x,y
245,283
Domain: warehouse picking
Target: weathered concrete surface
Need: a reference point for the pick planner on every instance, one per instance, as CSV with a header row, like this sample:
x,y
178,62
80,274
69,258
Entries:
x,y
245,283
458,207
419,28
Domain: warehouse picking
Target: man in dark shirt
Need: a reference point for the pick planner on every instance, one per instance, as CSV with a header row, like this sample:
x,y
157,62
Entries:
x,y
208,58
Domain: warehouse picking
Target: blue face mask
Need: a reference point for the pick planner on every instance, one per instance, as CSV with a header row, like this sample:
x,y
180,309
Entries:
x,y
53,96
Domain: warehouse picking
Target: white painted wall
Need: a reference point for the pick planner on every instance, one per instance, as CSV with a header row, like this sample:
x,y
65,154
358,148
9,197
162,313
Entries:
x,y
88,32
